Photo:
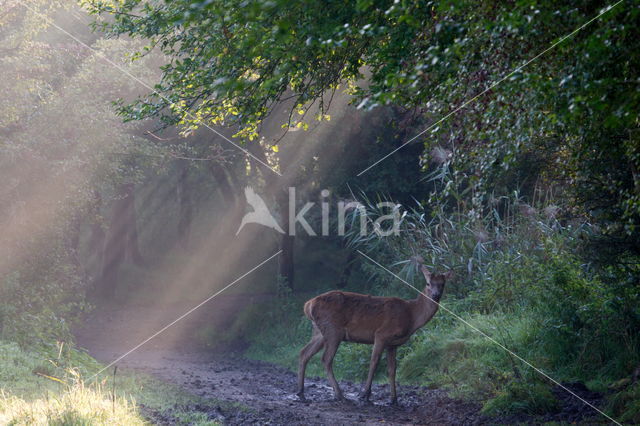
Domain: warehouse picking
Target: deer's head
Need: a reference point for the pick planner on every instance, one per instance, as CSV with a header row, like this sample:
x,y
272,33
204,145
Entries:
x,y
435,283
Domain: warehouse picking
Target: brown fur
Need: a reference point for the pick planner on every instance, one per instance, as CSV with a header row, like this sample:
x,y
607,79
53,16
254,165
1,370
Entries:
x,y
384,322
357,315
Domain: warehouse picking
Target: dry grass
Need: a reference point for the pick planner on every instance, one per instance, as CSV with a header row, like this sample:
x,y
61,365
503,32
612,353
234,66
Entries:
x,y
50,387
78,405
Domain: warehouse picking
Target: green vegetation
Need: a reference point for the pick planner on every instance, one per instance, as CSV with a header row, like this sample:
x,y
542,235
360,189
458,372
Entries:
x,y
55,388
625,404
520,282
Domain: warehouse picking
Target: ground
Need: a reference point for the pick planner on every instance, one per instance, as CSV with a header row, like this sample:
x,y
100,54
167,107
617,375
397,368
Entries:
x,y
242,391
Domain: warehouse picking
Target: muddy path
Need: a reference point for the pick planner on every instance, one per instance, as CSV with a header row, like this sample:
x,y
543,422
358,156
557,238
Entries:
x,y
265,389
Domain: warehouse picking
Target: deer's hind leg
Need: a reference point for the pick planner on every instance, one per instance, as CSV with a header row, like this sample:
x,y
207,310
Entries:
x,y
332,341
313,347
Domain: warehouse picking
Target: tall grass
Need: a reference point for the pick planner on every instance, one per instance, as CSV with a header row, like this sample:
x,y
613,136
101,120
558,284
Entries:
x,y
51,388
76,406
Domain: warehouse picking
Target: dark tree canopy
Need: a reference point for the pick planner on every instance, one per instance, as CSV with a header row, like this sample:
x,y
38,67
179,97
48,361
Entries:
x,y
231,62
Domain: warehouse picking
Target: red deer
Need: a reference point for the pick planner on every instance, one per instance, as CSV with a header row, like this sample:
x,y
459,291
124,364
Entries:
x,y
384,322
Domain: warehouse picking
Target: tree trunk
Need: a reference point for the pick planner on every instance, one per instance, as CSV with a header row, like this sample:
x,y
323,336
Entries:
x,y
219,174
121,241
114,250
286,265
277,187
130,224
346,272
287,270
97,234
186,206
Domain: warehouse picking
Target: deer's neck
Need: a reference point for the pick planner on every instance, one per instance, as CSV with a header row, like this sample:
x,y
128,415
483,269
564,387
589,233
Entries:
x,y
423,309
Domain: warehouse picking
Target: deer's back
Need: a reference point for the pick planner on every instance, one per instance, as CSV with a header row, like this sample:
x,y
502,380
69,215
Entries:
x,y
357,317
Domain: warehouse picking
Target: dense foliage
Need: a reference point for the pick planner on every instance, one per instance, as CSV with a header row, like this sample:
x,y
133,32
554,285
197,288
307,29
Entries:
x,y
576,106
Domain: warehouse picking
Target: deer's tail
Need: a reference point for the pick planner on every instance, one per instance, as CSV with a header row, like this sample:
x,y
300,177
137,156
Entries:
x,y
308,308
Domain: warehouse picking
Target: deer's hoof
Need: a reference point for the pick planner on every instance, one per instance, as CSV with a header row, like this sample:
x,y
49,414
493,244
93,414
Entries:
x,y
301,397
394,402
364,396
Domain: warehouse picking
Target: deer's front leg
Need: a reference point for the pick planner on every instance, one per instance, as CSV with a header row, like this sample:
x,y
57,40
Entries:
x,y
391,372
378,347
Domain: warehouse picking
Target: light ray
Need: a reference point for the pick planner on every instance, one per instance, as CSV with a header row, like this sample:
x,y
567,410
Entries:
x,y
181,317
142,83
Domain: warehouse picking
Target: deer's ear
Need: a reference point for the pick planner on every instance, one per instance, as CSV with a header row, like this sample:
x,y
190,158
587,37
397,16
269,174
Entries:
x,y
426,273
448,275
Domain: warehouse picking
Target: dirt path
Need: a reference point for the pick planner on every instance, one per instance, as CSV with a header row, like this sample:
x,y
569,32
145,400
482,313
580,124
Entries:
x,y
267,390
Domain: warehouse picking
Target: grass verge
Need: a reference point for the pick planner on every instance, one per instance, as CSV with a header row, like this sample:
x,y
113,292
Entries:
x,y
49,386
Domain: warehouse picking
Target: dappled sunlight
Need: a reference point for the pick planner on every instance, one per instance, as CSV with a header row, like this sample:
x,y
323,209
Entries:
x,y
217,256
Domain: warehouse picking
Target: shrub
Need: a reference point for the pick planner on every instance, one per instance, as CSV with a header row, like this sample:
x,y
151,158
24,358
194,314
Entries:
x,y
625,405
40,298
520,397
